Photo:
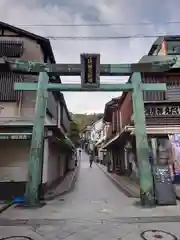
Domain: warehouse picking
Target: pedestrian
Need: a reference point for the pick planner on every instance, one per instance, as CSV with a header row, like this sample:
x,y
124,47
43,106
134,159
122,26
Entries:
x,y
75,157
79,155
91,159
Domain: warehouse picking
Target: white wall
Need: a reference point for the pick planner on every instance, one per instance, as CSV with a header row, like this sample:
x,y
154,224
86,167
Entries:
x,y
98,125
97,131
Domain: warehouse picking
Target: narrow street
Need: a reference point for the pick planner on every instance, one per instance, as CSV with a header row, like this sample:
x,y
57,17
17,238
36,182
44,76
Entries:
x,y
95,209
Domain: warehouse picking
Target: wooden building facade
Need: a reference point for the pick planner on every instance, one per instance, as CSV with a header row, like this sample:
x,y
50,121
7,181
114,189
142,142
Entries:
x,y
162,112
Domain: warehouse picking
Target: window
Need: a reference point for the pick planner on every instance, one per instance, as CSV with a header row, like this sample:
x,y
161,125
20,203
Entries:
x,y
173,48
12,49
160,53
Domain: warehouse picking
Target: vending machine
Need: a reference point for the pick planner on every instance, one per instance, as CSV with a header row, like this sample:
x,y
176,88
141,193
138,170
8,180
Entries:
x,y
164,189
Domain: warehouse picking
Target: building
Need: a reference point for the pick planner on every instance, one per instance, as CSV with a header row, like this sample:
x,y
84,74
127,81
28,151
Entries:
x,y
162,112
96,131
116,121
97,137
17,114
85,138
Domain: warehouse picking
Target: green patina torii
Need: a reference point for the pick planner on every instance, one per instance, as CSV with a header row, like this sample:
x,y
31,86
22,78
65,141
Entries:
x,y
90,70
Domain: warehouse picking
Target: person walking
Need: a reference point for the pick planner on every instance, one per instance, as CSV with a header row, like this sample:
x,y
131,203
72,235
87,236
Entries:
x,y
91,159
79,155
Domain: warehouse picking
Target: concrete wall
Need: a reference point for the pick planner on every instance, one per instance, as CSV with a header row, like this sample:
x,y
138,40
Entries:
x,y
46,161
62,164
53,163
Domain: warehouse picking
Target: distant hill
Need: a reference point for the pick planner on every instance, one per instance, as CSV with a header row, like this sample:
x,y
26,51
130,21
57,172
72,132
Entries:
x,y
84,120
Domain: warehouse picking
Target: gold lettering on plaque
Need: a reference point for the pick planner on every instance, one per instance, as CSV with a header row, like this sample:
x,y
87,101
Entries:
x,y
90,70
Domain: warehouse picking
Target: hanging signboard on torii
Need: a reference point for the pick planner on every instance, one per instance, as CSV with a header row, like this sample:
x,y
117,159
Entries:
x,y
90,70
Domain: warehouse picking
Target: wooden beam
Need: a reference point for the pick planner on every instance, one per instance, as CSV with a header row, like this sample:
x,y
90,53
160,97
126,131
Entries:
x,y
33,67
103,87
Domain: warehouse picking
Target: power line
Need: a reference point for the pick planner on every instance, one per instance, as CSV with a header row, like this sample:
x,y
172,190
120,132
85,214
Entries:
x,y
81,38
99,24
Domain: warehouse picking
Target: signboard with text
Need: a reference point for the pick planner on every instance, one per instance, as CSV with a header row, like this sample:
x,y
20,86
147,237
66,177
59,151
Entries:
x,y
15,137
163,110
90,70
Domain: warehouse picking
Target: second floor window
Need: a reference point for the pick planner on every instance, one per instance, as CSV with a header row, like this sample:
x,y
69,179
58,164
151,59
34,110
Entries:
x,y
13,49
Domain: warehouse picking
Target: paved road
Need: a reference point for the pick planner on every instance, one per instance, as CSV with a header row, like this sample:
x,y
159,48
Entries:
x,y
95,209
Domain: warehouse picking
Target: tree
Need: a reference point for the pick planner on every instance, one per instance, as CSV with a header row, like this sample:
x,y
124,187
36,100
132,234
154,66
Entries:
x,y
84,120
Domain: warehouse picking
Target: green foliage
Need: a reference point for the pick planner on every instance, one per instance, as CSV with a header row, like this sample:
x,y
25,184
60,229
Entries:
x,y
74,133
84,120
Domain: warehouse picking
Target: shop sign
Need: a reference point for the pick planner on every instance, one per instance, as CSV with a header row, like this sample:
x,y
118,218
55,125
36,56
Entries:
x,y
162,111
15,137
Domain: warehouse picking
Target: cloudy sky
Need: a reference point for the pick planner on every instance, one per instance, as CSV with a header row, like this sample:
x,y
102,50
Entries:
x,y
33,12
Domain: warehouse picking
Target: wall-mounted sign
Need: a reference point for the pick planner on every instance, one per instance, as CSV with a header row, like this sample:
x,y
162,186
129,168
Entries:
x,y
90,72
162,110
15,137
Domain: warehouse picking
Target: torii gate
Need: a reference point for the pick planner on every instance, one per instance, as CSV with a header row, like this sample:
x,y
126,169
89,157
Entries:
x,y
90,71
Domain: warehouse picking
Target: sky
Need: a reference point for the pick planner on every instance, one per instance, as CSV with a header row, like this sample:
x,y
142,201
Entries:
x,y
34,12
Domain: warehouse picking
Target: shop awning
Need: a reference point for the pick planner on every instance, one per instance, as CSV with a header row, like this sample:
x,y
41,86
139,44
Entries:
x,y
112,140
151,130
66,143
156,130
69,142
